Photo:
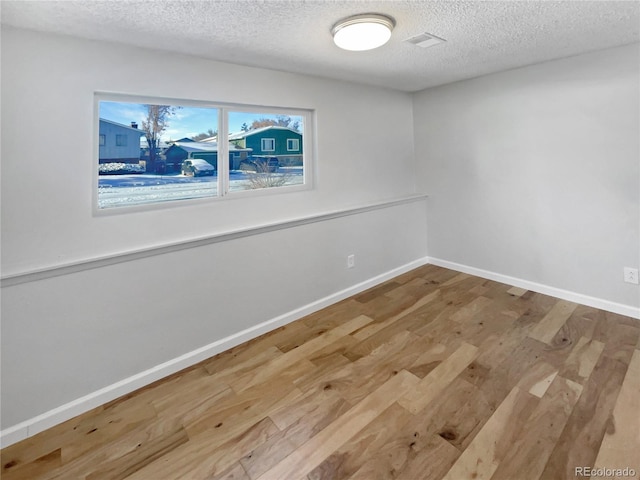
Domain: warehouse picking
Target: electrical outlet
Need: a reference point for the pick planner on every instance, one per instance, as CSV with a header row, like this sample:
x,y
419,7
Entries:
x,y
631,275
351,261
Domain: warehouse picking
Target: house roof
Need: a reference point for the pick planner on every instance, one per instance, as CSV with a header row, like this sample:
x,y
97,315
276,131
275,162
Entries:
x,y
139,132
248,133
145,144
192,147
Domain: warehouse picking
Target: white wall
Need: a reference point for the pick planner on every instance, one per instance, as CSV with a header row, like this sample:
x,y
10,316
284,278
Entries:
x,y
535,173
67,336
364,143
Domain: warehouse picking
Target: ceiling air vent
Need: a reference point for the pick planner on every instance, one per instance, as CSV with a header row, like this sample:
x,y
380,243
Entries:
x,y
425,40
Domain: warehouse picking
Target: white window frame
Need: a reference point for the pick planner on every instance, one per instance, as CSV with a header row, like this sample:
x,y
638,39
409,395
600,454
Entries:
x,y
262,144
119,142
294,141
224,194
102,141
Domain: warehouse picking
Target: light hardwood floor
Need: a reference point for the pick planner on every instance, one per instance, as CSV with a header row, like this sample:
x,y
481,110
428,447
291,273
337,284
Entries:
x,y
432,375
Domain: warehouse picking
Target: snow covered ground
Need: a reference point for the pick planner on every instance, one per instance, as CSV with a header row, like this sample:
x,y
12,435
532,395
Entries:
x,y
127,190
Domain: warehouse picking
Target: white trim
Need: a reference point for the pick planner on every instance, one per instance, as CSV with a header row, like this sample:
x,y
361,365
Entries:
x,y
297,144
619,308
126,256
307,115
223,154
262,145
81,405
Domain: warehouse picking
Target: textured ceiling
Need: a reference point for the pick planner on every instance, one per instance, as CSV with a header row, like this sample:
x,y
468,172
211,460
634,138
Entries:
x,y
294,35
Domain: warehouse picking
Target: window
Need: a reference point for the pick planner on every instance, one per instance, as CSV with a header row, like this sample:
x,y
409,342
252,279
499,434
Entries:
x,y
171,151
268,144
260,135
293,144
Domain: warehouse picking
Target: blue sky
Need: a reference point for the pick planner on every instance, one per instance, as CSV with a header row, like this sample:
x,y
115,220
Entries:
x,y
186,122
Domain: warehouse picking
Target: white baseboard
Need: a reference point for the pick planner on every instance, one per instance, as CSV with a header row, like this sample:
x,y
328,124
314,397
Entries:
x,y
81,405
614,307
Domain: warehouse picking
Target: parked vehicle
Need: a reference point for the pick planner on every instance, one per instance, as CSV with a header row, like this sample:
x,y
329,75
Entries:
x,y
260,164
196,167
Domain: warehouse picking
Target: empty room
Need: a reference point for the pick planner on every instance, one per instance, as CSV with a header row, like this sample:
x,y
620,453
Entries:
x,y
320,240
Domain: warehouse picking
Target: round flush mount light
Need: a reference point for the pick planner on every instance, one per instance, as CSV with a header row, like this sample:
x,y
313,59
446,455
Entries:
x,y
363,32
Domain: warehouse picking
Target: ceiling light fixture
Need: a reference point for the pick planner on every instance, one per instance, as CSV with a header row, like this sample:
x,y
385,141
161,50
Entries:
x,y
363,32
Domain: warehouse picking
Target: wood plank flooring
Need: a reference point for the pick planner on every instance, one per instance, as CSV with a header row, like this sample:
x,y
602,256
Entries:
x,y
432,375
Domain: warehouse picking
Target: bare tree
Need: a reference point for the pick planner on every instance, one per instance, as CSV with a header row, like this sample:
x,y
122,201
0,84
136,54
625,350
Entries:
x,y
201,136
279,121
153,125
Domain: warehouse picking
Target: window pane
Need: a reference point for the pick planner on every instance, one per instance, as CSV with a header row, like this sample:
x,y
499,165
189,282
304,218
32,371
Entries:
x,y
150,153
121,140
293,144
266,150
268,144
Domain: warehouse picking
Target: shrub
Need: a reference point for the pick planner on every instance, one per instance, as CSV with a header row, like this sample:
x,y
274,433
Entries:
x,y
116,168
263,178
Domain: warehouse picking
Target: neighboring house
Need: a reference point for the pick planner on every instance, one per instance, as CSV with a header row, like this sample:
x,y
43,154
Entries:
x,y
273,141
180,151
118,143
144,148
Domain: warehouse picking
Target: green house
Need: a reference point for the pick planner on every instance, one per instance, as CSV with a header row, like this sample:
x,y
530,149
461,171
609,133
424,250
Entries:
x,y
273,141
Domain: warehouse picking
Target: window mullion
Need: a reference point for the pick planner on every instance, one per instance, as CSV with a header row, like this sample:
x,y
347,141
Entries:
x,y
223,152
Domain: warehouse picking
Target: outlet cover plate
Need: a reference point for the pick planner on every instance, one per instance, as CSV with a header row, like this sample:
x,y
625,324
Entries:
x,y
631,275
